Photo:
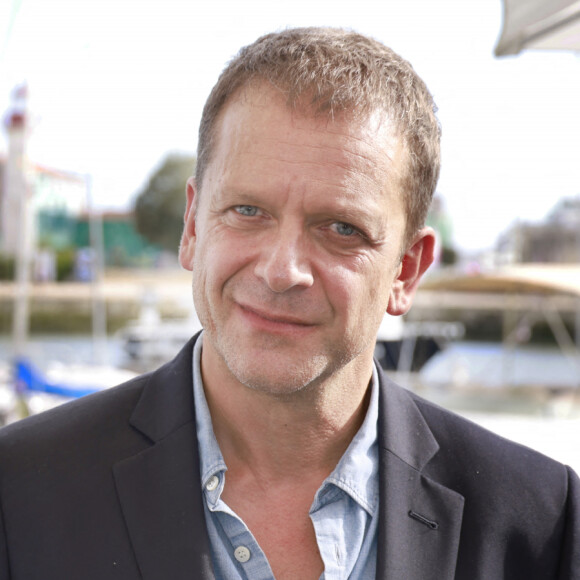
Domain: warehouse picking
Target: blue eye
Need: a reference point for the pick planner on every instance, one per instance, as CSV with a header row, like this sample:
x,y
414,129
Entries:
x,y
247,210
344,229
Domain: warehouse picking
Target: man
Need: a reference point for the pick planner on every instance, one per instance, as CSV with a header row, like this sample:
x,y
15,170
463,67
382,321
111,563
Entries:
x,y
273,446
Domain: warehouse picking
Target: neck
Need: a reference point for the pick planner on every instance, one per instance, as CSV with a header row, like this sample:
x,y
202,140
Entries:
x,y
286,437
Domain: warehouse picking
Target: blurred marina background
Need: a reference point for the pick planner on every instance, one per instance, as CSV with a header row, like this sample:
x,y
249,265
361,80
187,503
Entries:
x,y
100,104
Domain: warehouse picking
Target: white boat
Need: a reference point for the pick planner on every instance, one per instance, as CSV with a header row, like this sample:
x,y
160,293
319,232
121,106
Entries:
x,y
406,346
150,340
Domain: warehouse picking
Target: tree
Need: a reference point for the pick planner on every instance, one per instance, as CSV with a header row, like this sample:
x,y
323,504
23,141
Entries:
x,y
160,205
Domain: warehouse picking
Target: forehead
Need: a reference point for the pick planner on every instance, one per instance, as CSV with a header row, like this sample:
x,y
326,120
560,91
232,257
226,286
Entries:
x,y
259,138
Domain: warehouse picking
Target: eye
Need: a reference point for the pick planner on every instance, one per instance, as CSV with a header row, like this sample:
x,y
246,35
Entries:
x,y
343,229
246,210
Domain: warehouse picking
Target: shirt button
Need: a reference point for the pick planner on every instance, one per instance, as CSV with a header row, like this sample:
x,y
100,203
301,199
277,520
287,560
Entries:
x,y
213,482
242,554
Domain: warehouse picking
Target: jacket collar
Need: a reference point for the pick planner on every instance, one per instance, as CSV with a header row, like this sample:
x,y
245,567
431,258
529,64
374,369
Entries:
x,y
159,488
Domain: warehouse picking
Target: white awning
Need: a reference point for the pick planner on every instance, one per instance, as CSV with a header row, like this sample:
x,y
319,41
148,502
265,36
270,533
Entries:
x,y
539,24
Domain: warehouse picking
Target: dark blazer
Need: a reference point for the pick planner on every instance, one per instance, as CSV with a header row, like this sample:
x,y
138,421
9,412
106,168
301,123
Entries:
x,y
108,487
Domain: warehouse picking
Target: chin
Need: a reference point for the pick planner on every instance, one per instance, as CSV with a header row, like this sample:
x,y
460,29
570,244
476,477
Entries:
x,y
277,377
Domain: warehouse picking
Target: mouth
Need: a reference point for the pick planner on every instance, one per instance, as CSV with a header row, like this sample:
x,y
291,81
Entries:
x,y
274,321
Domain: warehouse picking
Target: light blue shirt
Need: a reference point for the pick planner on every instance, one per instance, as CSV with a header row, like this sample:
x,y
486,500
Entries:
x,y
344,512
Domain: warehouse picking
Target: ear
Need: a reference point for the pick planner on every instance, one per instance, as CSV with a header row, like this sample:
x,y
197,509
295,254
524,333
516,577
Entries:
x,y
187,246
418,257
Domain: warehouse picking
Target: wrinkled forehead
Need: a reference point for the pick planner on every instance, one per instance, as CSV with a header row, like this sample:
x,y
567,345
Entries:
x,y
260,103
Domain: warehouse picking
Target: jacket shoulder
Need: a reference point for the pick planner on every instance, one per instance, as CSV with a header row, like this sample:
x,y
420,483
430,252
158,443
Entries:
x,y
499,478
78,426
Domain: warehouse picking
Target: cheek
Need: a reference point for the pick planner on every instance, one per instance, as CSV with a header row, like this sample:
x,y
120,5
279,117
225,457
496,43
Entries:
x,y
219,260
365,293
347,290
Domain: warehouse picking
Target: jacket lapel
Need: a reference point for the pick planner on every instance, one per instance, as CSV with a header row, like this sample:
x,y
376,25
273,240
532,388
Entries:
x,y
159,488
420,519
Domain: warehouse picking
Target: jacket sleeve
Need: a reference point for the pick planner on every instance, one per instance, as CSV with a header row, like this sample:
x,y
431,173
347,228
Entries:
x,y
570,558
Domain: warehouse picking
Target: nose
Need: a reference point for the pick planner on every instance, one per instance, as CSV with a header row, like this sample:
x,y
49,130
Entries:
x,y
284,263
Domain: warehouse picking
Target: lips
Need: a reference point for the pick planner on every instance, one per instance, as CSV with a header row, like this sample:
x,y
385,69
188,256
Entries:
x,y
275,317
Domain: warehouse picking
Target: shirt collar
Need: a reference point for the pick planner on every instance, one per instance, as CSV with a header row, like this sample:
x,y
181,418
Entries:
x,y
210,455
356,473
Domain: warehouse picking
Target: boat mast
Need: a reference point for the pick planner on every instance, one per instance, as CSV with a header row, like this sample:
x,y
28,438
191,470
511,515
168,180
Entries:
x,y
17,224
99,309
17,227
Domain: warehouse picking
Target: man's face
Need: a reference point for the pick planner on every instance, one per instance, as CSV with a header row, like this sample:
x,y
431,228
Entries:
x,y
295,243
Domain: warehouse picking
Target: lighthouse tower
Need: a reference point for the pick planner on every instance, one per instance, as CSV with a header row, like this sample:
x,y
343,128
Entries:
x,y
15,219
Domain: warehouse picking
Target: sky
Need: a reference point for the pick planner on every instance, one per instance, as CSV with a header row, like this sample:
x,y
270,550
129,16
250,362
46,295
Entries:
x,y
115,85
